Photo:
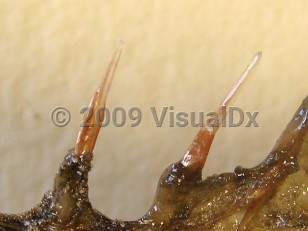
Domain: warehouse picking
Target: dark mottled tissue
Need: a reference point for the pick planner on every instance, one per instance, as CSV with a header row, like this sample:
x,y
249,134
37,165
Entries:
x,y
271,196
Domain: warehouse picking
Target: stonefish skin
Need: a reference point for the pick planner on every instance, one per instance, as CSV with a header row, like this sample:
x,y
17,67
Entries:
x,y
270,196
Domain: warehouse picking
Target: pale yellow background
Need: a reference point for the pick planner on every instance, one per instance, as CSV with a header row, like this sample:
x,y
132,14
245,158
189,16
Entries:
x,y
181,53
